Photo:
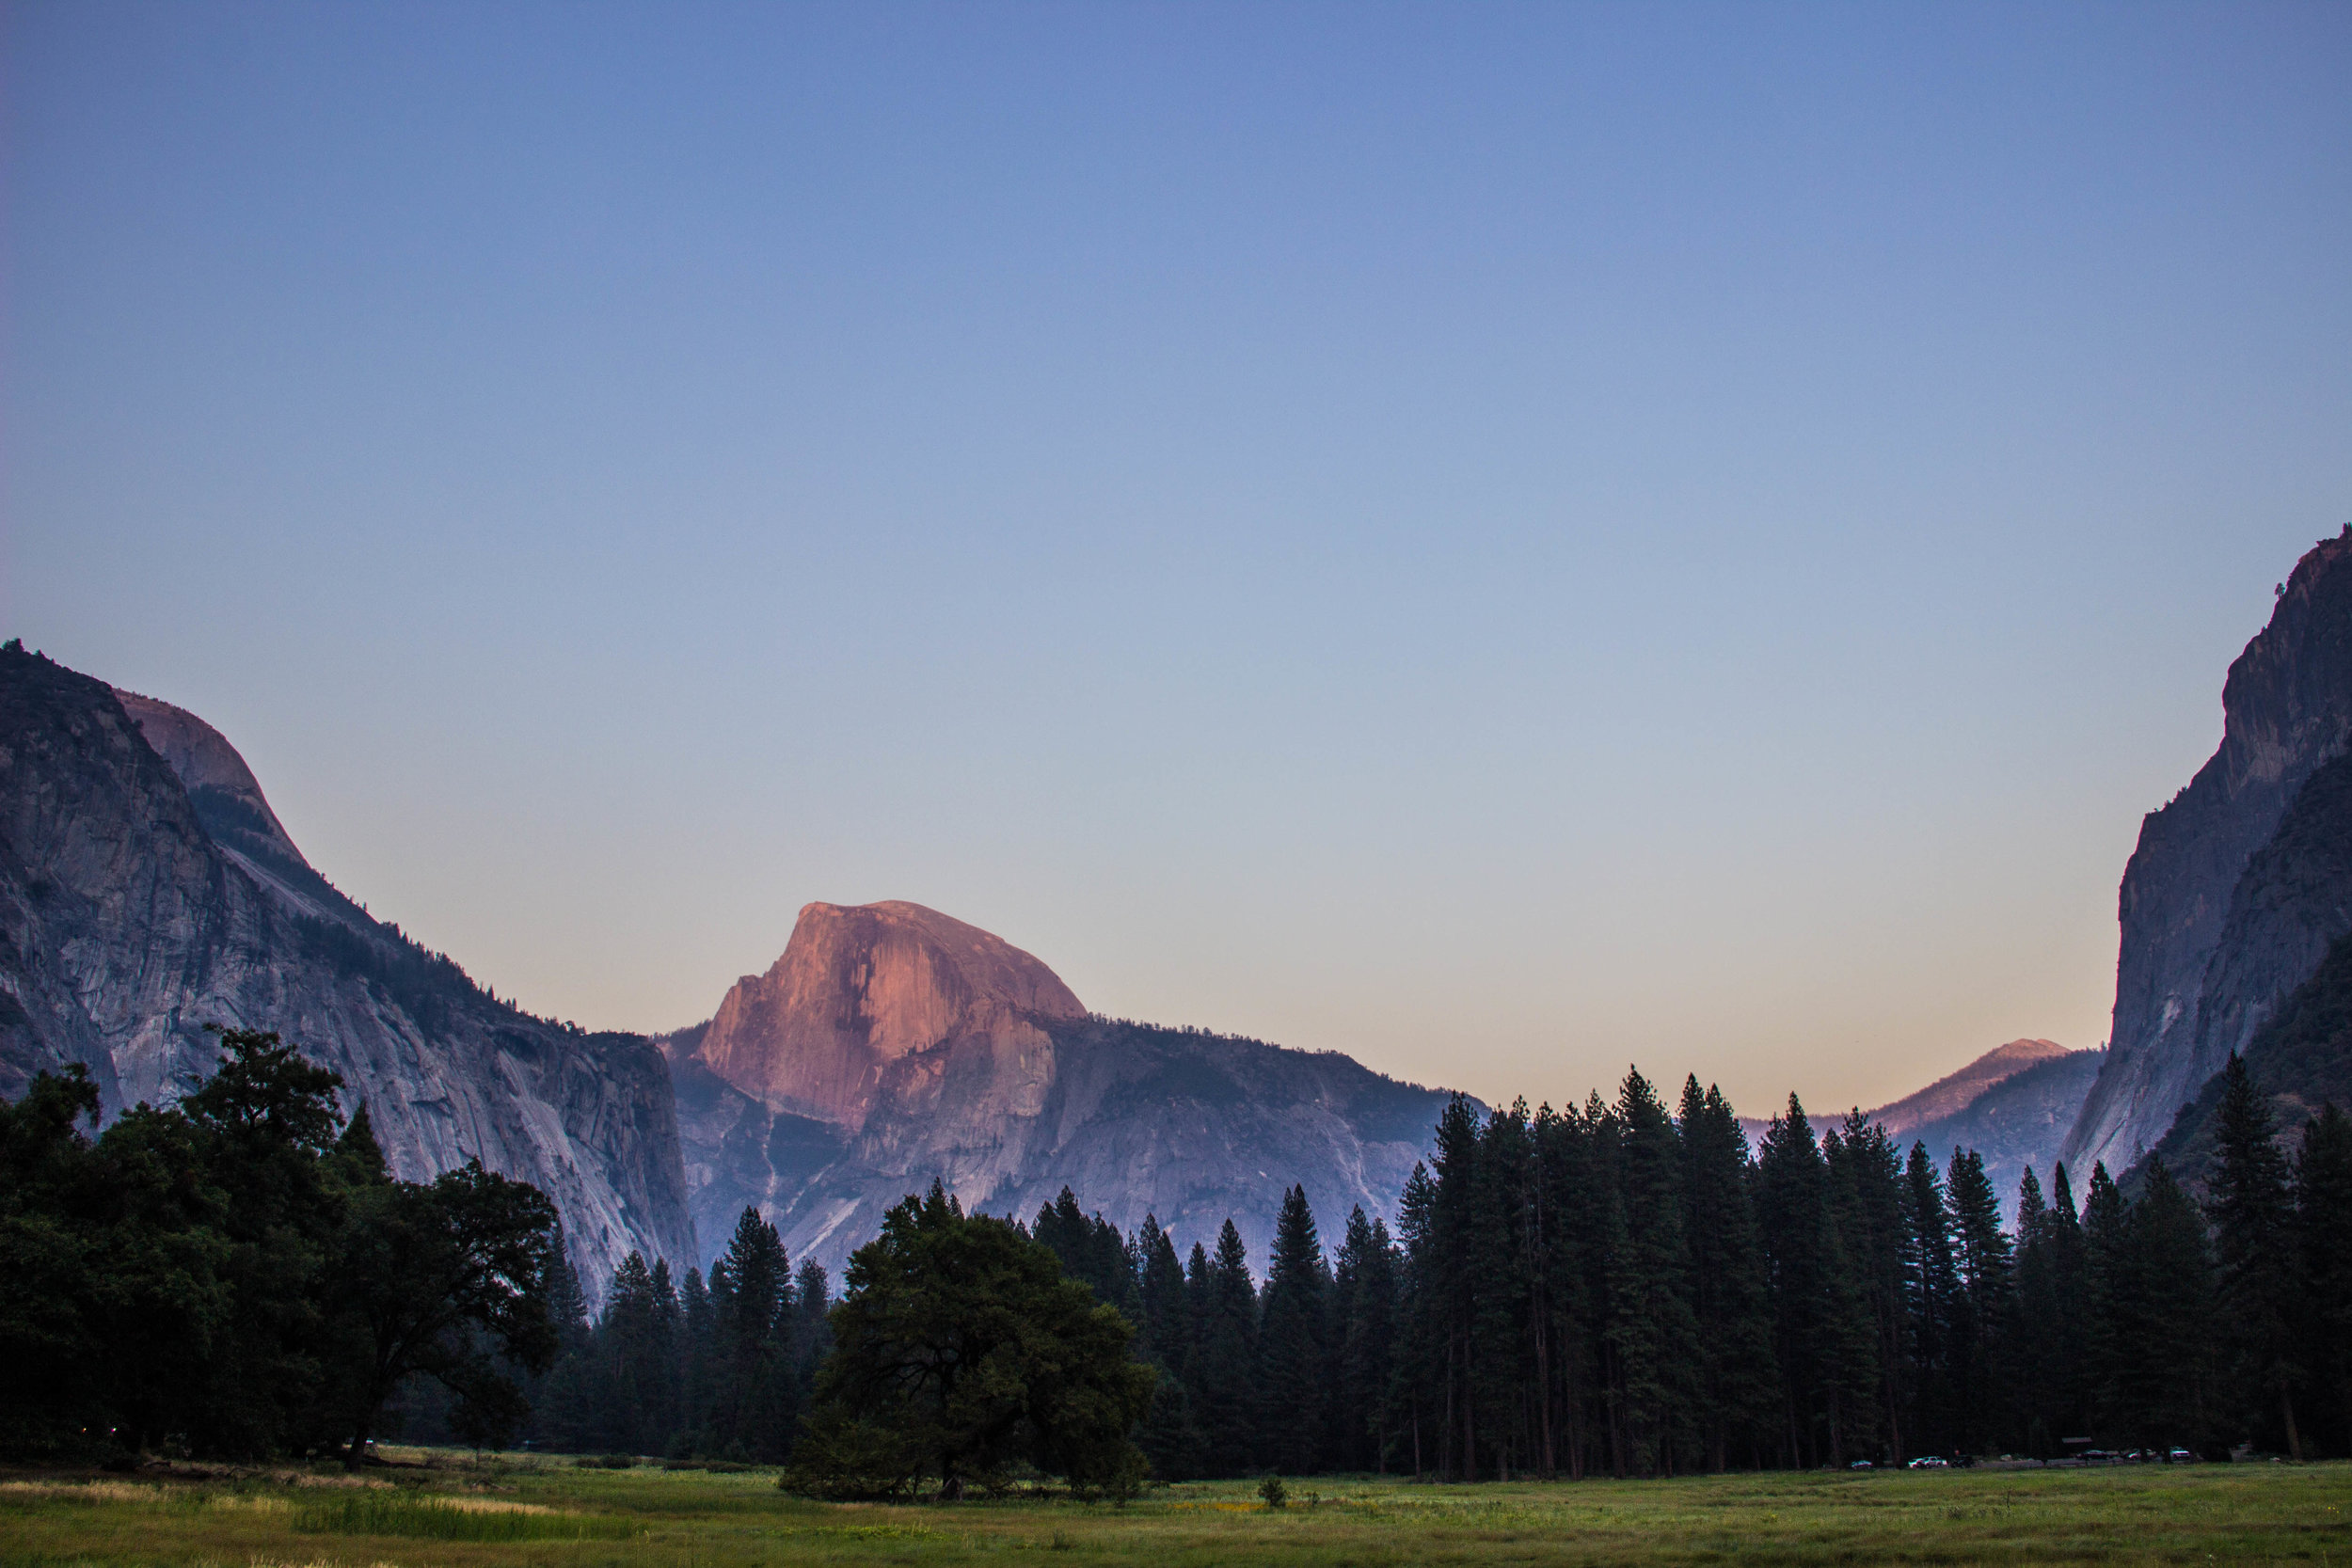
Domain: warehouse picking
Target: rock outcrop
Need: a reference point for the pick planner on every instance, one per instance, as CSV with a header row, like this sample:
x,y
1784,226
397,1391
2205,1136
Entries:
x,y
146,889
885,1000
2222,916
891,1046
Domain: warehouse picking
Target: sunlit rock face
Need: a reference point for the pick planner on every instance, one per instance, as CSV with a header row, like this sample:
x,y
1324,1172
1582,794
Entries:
x,y
884,1002
2220,919
147,888
892,1046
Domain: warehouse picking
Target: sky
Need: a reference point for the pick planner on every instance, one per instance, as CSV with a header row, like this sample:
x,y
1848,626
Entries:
x,y
1506,540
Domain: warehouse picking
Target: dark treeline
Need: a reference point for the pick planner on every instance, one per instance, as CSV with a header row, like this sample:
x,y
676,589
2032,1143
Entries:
x,y
1624,1290
716,1368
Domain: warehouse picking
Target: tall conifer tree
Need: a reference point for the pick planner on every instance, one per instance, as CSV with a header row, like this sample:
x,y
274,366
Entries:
x,y
2323,1212
1986,1261
1937,1306
1225,1382
1731,1304
1653,1331
1364,1309
1295,1362
2251,1206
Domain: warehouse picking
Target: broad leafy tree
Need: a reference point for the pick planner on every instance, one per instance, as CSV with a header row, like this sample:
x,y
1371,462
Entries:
x,y
960,1349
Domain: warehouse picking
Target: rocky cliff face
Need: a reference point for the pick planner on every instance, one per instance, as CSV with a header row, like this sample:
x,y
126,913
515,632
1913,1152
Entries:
x,y
2219,922
884,1001
146,889
892,1046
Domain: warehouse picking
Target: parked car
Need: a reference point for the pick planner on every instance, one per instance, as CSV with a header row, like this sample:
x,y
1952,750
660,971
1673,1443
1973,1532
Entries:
x,y
1929,1461
1861,1464
2179,1456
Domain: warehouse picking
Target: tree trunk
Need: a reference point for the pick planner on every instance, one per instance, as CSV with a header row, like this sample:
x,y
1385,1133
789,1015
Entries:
x,y
1469,1424
357,1455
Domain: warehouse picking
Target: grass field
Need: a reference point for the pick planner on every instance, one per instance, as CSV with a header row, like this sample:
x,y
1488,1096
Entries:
x,y
551,1514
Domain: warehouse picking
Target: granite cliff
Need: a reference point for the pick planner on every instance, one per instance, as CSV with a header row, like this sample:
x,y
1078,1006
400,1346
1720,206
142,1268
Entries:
x,y
2238,885
891,1046
146,889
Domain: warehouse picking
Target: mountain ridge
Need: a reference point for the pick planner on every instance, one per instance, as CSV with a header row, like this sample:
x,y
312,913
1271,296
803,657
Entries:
x,y
981,1070
137,905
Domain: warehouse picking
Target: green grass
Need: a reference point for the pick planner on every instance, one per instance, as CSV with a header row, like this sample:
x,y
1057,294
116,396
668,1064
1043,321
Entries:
x,y
551,1514
467,1518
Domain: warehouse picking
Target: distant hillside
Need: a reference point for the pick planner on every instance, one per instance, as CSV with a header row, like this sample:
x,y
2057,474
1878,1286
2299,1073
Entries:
x,y
2012,1105
2015,1120
1955,1092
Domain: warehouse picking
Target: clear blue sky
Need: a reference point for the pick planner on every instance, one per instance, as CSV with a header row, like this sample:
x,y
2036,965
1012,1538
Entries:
x,y
1506,540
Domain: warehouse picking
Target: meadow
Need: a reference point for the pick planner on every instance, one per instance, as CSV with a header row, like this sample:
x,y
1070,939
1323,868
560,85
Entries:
x,y
454,1513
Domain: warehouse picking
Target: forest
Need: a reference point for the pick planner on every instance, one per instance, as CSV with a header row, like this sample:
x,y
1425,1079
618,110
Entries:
x,y
1626,1290
1622,1290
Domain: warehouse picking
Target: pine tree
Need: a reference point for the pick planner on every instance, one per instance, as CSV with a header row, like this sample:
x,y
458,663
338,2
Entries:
x,y
1452,1278
1731,1302
1937,1307
1544,1233
698,1353
562,1413
1163,1337
755,1395
1500,1368
1867,1186
1167,1437
2169,1316
1653,1331
662,1415
1584,1217
2251,1207
2323,1214
360,1155
1415,1388
1293,1337
1986,1259
1090,1250
2106,1279
2031,1376
1364,1307
1850,1388
2065,1334
812,1325
1793,1190
1225,1370
633,1363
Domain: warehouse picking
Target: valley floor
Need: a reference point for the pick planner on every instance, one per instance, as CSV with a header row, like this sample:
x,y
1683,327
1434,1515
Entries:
x,y
550,1513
